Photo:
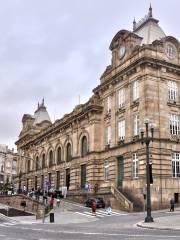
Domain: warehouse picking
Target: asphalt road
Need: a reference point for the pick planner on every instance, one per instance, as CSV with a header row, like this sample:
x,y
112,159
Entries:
x,y
104,227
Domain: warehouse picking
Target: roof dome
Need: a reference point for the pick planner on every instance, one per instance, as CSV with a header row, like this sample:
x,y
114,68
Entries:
x,y
41,114
148,29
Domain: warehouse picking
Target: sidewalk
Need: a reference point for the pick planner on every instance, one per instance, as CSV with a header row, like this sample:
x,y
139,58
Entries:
x,y
61,216
171,222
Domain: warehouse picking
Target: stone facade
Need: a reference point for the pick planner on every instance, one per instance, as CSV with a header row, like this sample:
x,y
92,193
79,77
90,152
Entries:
x,y
8,162
99,141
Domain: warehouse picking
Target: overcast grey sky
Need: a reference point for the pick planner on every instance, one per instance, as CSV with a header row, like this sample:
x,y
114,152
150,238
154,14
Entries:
x,y
58,49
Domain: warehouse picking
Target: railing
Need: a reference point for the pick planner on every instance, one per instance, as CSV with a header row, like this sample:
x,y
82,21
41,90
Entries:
x,y
124,201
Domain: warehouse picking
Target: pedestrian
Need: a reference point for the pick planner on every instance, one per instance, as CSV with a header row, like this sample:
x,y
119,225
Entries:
x,y
51,203
24,189
108,208
94,208
58,201
172,205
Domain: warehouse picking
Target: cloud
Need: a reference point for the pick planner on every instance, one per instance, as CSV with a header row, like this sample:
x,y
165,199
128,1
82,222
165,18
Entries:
x,y
59,49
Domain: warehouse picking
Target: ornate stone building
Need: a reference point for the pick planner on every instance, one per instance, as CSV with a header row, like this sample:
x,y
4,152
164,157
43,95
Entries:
x,y
99,141
8,162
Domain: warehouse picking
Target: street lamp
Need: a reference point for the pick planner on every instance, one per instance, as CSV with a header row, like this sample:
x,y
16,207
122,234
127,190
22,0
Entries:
x,y
147,138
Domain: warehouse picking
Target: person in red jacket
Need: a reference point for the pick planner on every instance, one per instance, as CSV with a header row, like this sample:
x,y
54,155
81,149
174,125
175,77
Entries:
x,y
94,208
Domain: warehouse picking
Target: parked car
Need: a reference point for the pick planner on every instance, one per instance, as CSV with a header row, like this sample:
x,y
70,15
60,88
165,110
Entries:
x,y
99,202
55,194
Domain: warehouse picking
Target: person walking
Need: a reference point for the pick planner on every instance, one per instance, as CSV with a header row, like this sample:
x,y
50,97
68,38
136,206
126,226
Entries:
x,y
58,201
94,208
172,205
51,203
108,208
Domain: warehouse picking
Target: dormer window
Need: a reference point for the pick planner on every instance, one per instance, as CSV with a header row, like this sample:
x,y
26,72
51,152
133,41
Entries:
x,y
170,50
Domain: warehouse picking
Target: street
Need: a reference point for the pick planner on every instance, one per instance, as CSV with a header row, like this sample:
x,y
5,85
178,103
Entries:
x,y
75,224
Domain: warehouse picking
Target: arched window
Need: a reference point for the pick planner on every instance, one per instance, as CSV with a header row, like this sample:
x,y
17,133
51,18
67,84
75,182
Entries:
x,y
37,163
68,152
84,149
43,160
51,158
58,155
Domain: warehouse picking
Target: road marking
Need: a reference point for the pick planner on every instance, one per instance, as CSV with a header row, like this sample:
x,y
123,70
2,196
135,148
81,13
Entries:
x,y
78,205
103,233
97,215
84,214
100,214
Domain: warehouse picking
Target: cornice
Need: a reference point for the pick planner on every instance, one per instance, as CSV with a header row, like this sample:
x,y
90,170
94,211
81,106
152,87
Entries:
x,y
153,62
62,124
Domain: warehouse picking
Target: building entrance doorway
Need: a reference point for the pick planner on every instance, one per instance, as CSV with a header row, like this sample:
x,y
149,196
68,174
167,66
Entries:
x,y
67,178
120,171
176,197
27,185
83,175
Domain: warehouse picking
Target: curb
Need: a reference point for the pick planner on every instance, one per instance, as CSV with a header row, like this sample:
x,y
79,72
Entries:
x,y
156,228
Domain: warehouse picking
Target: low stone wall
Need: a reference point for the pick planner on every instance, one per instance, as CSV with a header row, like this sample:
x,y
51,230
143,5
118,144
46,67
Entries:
x,y
32,205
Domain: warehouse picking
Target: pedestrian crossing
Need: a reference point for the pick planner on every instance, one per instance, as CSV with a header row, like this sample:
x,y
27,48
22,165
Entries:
x,y
7,224
100,214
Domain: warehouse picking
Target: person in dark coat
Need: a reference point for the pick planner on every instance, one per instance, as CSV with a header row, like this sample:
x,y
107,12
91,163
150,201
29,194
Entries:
x,y
172,205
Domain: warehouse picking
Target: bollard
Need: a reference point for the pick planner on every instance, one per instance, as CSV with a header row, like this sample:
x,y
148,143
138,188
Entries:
x,y
51,215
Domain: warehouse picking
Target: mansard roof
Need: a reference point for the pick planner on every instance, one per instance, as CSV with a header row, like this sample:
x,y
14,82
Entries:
x,y
148,29
41,114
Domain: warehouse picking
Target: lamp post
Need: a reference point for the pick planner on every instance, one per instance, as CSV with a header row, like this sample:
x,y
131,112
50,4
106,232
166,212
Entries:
x,y
147,138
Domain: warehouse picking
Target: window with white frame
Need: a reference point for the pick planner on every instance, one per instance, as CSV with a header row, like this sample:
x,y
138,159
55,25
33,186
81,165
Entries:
x,y
109,104
172,90
121,98
135,165
108,135
135,90
136,124
106,170
176,164
174,124
121,129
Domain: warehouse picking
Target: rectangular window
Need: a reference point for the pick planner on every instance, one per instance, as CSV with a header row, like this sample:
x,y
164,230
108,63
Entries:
x,y
135,90
172,90
174,124
108,135
135,165
121,98
109,104
136,124
176,164
121,130
106,171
